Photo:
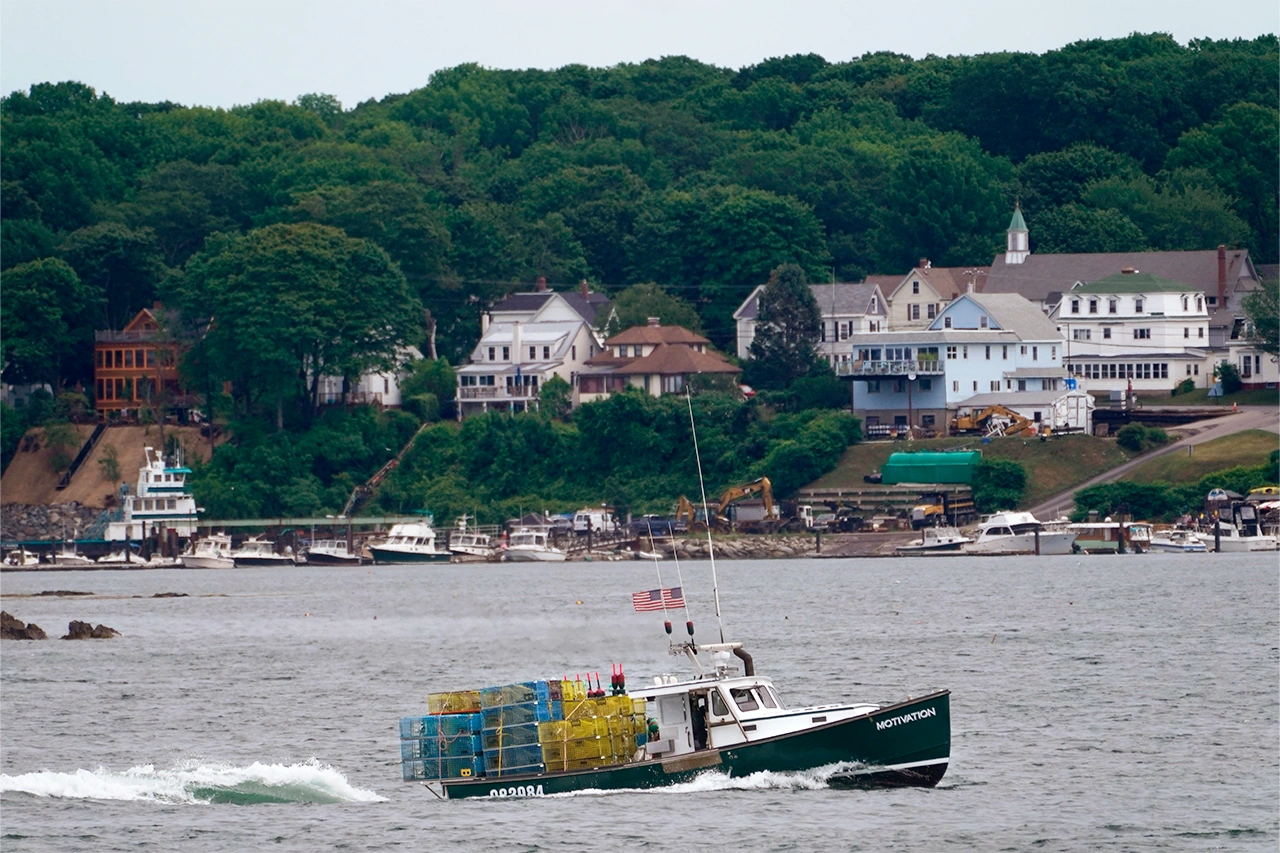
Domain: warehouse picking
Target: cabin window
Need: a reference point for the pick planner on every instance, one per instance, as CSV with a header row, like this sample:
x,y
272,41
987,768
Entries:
x,y
718,707
766,698
745,699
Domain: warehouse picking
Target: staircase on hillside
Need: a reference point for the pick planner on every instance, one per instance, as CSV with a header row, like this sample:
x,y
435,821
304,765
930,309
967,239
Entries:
x,y
82,456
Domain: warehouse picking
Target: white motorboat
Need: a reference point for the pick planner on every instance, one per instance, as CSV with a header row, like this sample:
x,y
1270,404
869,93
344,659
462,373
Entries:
x,y
1178,540
1016,533
528,545
211,552
22,558
68,556
260,552
414,542
936,540
1232,540
332,552
1105,537
474,542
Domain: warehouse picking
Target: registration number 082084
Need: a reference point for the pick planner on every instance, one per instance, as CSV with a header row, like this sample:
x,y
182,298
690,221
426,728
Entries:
x,y
517,791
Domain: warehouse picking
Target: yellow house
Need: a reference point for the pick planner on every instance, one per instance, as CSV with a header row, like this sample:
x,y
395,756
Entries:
x,y
919,298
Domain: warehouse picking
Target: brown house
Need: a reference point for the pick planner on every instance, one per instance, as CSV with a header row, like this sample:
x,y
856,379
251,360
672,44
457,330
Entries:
x,y
135,367
660,359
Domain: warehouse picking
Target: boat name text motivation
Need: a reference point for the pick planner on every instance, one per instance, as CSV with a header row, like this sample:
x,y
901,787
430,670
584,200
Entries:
x,y
906,718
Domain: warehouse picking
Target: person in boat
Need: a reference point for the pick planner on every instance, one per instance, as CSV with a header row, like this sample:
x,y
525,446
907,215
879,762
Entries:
x,y
700,721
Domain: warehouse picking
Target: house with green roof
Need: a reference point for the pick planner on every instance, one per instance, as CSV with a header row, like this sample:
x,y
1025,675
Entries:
x,y
1135,331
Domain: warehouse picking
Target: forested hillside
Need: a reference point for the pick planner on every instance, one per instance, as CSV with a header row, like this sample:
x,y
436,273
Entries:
x,y
324,235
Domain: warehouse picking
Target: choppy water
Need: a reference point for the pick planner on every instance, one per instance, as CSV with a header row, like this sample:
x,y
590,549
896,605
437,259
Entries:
x,y
1099,703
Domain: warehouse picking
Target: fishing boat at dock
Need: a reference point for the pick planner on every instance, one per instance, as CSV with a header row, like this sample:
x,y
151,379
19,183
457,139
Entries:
x,y
1020,533
332,552
532,545
211,552
936,540
473,543
260,552
412,542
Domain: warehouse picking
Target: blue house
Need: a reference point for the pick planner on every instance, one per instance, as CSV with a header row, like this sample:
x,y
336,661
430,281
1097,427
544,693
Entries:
x,y
978,344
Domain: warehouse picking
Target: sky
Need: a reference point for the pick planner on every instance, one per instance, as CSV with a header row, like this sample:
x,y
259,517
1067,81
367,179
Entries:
x,y
221,53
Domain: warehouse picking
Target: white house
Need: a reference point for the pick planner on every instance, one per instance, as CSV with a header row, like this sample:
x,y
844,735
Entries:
x,y
978,344
846,308
1135,330
378,388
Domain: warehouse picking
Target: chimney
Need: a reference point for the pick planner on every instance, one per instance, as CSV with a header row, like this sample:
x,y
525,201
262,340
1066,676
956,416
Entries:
x,y
585,290
542,284
925,263
484,322
516,342
1222,276
653,322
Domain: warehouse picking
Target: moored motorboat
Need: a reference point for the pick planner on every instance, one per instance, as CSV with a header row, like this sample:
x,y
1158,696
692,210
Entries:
x,y
1231,539
530,545
211,552
936,540
412,542
69,556
1177,540
21,558
260,552
1111,537
332,552
1017,533
473,543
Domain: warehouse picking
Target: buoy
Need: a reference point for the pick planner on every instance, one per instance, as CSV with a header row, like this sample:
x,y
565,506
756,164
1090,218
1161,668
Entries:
x,y
1233,408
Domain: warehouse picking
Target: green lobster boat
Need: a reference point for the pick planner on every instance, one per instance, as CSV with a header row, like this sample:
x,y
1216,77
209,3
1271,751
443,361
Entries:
x,y
736,724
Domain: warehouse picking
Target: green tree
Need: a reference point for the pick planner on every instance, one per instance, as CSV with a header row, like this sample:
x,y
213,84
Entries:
x,y
1187,212
43,321
556,397
1263,308
121,266
291,303
787,325
1078,228
433,378
637,303
1229,376
998,484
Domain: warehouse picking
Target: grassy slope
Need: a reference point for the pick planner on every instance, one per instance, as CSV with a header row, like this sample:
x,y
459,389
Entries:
x,y
1052,466
1244,448
1200,397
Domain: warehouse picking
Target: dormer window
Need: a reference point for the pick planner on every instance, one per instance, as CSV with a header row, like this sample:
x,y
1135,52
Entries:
x,y
1093,306
1075,306
1137,305
1199,303
1185,303
1112,306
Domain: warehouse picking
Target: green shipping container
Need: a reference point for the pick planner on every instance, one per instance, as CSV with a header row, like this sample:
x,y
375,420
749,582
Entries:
x,y
930,467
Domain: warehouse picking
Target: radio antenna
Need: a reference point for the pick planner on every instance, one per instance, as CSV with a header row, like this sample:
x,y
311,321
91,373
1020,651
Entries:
x,y
697,455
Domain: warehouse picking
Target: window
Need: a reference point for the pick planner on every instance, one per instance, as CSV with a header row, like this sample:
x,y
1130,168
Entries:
x,y
546,353
951,353
1022,384
946,323
1075,306
1035,353
137,357
1200,332
932,310
995,384
845,329
1023,349
128,358
573,353
913,311
915,287
955,385
151,358
874,306
975,386
119,358
926,384
1053,353
982,322
1184,303
1093,306
1141,334
1106,333
900,386
98,358
1213,300
1137,305
1186,332
925,420
1112,306
1004,352
988,353
1081,334
506,353
1188,370
491,355
873,386
102,393
1196,369
1199,303
533,353
964,351
822,332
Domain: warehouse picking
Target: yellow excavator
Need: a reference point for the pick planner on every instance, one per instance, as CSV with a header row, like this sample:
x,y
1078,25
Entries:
x,y
696,519
993,421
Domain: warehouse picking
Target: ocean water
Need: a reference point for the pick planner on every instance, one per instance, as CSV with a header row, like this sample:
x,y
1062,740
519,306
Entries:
x,y
1098,703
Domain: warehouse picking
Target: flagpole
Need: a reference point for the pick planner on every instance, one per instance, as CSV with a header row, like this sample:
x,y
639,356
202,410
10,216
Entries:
x,y
697,455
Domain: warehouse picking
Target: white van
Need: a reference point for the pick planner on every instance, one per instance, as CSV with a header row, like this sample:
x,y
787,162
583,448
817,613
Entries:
x,y
595,520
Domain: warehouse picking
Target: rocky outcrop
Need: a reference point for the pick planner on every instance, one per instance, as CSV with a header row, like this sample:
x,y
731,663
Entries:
x,y
26,523
744,547
16,629
78,630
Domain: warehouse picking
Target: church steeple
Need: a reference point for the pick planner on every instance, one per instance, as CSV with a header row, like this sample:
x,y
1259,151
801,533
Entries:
x,y
1016,246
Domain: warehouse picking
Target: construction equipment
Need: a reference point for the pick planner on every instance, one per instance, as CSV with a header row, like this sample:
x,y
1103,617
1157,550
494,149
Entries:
x,y
994,421
765,517
943,508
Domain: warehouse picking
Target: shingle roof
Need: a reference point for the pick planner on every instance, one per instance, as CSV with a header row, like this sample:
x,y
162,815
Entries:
x,y
524,301
656,335
841,297
1142,282
1017,314
1044,278
591,307
1016,398
947,282
670,360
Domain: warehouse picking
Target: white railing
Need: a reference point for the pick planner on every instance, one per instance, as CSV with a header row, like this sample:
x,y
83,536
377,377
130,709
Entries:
x,y
928,367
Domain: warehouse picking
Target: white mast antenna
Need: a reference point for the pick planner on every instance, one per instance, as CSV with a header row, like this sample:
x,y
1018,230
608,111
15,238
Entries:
x,y
715,586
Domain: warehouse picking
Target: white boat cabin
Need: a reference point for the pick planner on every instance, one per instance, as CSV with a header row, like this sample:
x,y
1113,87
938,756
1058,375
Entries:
x,y
718,710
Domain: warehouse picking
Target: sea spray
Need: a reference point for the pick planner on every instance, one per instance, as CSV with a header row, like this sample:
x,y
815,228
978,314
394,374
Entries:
x,y
197,781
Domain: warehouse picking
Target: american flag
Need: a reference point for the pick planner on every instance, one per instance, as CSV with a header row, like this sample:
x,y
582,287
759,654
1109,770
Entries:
x,y
656,599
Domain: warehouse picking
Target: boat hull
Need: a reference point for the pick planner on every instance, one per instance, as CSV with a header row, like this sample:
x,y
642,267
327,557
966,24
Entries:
x,y
1178,547
517,555
903,745
383,556
190,562
242,562
333,559
1024,543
